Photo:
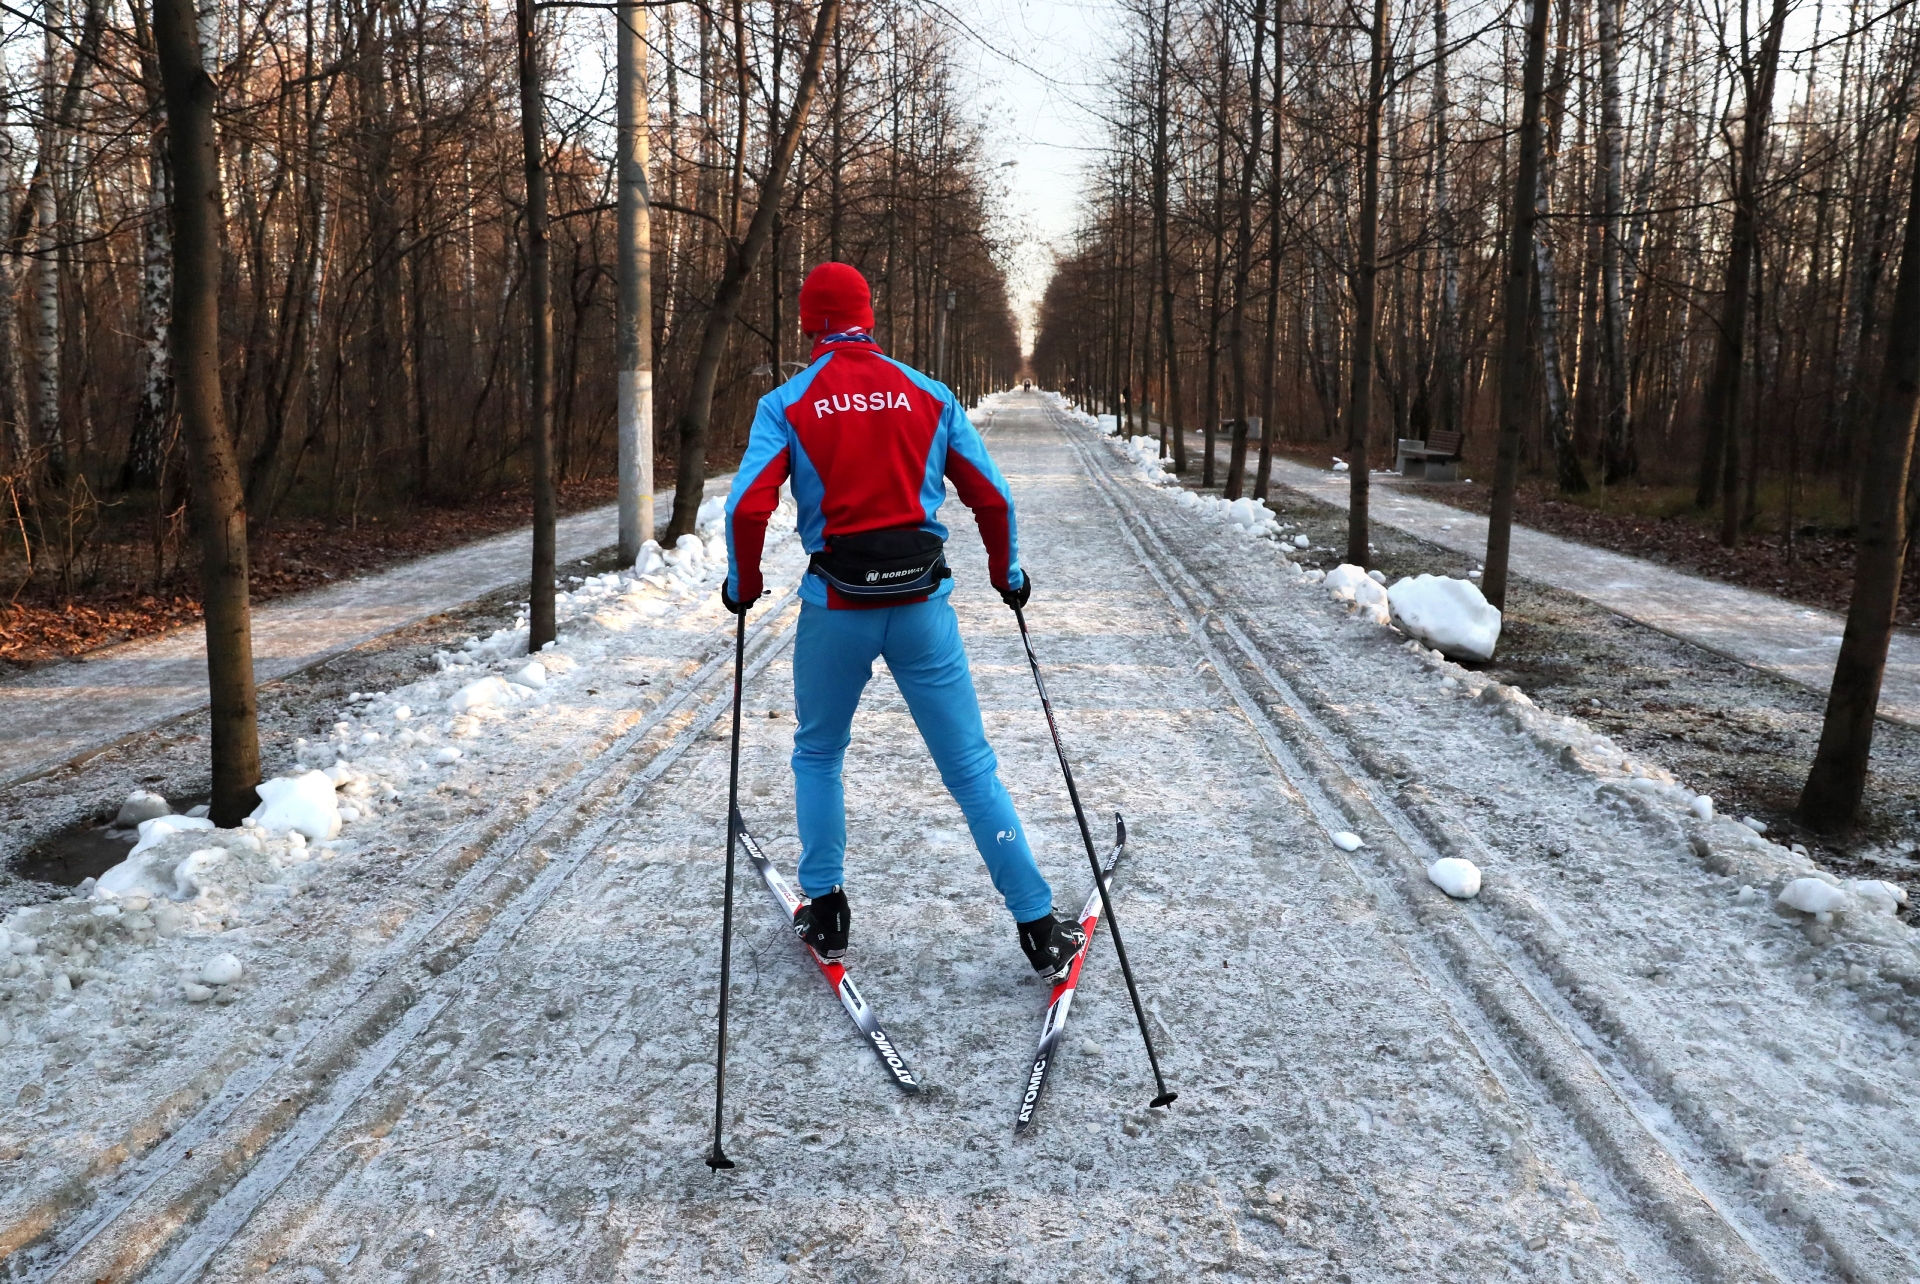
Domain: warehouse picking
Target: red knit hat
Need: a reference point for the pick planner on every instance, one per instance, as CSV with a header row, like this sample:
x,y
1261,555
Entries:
x,y
835,298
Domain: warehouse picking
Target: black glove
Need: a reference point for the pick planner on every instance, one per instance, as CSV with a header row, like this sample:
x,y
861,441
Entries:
x,y
738,608
1017,597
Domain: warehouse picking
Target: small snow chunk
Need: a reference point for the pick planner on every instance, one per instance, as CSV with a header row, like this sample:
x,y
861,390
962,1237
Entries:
x,y
1350,583
534,676
1746,896
1339,465
446,757
193,993
304,803
1702,806
1377,577
1757,826
1812,896
198,811
1088,1048
1447,614
402,713
1348,842
222,969
1301,541
141,805
1458,878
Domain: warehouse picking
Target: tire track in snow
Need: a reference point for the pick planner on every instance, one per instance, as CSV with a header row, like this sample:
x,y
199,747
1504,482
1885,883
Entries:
x,y
375,1017
1642,1144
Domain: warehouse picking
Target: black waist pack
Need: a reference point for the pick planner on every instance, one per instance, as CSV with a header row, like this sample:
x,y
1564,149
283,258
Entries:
x,y
876,568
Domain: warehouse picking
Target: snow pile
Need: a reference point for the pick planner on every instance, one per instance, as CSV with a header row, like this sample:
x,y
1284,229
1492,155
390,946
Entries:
x,y
1144,453
1447,614
153,832
305,804
1349,583
1822,895
1458,878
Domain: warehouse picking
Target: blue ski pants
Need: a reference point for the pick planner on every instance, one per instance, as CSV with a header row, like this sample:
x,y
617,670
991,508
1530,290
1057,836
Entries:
x,y
833,656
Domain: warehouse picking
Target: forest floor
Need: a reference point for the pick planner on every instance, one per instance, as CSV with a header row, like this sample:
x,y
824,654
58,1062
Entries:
x,y
116,599
1814,567
471,1036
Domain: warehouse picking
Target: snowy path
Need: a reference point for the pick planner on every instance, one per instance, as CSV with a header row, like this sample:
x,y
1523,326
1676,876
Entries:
x,y
63,711
1616,1065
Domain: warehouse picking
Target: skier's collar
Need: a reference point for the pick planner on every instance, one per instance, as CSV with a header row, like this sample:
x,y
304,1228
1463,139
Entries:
x,y
845,339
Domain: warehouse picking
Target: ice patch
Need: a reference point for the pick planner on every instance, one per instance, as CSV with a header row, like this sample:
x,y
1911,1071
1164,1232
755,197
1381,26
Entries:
x,y
1447,614
1458,878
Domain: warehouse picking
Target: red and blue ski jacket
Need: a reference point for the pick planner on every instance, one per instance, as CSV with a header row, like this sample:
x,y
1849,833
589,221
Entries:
x,y
870,445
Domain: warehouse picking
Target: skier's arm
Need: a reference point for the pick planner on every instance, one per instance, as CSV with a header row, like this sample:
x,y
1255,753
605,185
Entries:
x,y
973,474
755,494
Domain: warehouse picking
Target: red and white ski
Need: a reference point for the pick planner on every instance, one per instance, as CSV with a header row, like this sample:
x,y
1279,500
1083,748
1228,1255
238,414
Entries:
x,y
834,970
1055,1025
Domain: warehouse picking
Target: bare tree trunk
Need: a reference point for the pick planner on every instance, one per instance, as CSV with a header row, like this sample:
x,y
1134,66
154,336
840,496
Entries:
x,y
1831,798
1270,348
1243,259
1172,416
220,518
1571,477
1514,402
634,319
741,258
1447,411
1720,442
540,604
1366,269
1621,460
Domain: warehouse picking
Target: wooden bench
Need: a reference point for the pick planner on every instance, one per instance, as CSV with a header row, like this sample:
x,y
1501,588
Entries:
x,y
1435,459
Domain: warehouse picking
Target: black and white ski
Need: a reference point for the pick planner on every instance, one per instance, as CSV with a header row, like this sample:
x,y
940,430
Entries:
x,y
833,969
1055,1026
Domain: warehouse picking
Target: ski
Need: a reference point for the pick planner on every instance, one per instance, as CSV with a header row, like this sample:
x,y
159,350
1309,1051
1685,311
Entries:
x,y
1055,1025
834,970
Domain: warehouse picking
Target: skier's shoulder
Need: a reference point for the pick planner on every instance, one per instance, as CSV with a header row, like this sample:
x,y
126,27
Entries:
x,y
787,394
921,380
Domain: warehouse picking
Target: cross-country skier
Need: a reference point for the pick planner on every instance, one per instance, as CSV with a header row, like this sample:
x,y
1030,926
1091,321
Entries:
x,y
870,444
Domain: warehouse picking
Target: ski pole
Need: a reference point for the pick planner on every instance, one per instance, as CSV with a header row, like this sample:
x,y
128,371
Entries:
x,y
718,1159
1086,836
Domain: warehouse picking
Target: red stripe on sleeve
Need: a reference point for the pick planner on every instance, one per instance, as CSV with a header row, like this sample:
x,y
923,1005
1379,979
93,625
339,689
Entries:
x,y
989,506
750,525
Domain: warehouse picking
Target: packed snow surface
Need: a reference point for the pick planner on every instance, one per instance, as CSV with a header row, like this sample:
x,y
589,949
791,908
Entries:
x,y
1447,614
545,1114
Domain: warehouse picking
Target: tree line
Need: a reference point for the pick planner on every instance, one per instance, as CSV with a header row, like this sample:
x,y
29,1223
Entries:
x,y
265,257
373,236
1615,242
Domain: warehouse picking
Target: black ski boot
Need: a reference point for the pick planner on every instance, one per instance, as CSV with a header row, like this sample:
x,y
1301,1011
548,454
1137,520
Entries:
x,y
1051,943
822,923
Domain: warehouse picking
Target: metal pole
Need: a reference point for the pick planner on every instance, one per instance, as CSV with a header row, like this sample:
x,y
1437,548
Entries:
x,y
717,1159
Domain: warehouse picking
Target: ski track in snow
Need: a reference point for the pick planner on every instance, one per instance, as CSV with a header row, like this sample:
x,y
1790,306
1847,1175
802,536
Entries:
x,y
525,1091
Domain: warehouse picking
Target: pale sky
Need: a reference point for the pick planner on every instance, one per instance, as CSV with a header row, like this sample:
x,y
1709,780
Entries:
x,y
1035,62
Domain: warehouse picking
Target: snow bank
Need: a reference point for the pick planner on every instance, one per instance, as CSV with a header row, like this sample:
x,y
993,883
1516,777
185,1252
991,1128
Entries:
x,y
153,832
1447,614
305,803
